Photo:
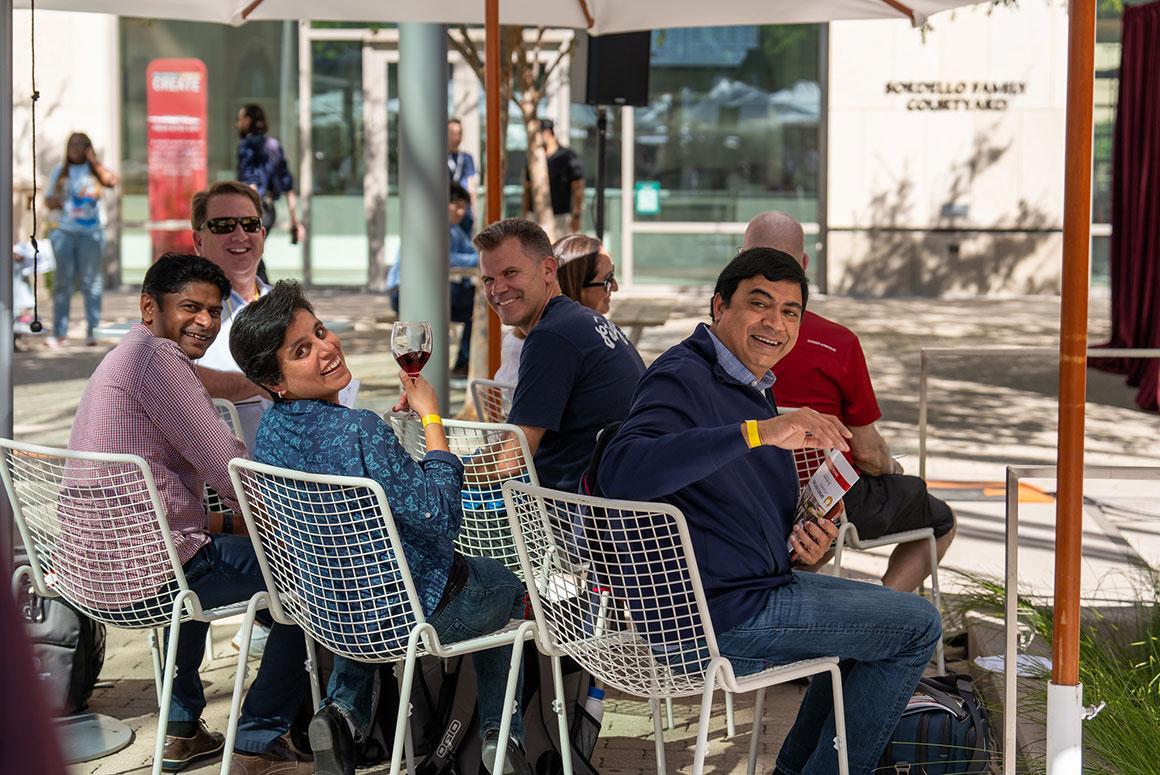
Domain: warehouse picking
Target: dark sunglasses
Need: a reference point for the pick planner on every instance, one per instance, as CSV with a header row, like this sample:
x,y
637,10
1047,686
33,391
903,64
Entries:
x,y
249,223
606,283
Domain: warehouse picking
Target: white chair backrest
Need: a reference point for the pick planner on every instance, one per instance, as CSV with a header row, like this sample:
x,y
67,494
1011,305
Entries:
x,y
617,588
332,558
95,532
491,453
229,414
493,400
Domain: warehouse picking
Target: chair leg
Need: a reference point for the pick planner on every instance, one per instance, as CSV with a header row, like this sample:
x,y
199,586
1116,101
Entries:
x,y
703,724
403,725
312,669
240,680
932,541
839,720
170,672
509,698
669,713
839,545
207,657
156,642
730,727
561,714
755,738
659,734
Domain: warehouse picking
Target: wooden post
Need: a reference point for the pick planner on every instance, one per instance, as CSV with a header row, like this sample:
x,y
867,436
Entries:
x,y
495,143
1077,200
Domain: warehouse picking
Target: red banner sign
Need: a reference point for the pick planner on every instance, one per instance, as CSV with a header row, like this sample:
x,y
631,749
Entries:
x,y
175,104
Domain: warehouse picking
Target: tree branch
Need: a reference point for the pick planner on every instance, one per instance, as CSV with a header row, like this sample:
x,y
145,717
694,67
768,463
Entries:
x,y
467,49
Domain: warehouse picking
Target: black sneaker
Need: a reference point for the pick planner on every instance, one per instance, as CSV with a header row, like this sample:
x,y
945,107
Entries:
x,y
515,761
332,742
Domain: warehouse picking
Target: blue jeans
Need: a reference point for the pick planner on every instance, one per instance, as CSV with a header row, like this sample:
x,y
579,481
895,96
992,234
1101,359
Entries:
x,y
884,639
492,597
77,253
226,571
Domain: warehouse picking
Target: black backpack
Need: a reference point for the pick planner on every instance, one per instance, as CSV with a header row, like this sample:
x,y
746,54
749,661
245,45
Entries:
x,y
943,731
68,648
444,725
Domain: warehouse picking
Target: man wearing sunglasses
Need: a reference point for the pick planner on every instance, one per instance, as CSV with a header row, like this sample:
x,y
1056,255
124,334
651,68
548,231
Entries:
x,y
227,229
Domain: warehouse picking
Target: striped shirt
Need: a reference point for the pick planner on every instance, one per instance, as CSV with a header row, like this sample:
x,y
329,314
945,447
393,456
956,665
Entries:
x,y
146,399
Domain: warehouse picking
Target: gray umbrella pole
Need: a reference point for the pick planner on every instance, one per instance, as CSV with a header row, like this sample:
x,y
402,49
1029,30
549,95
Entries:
x,y
423,190
6,241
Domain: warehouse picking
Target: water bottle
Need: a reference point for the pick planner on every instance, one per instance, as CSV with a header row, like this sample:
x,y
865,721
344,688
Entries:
x,y
588,726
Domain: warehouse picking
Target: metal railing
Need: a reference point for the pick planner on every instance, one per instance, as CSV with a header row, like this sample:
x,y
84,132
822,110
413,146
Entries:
x,y
1016,474
924,374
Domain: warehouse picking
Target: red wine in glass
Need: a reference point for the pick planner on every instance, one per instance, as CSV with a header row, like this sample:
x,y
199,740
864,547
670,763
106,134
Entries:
x,y
413,361
411,345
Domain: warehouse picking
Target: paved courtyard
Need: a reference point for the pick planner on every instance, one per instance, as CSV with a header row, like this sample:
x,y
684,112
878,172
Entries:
x,y
986,412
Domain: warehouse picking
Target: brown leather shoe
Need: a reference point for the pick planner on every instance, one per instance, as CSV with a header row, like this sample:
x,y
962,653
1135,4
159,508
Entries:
x,y
180,752
278,760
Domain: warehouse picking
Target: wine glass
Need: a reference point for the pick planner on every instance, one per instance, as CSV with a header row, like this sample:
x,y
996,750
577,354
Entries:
x,y
411,345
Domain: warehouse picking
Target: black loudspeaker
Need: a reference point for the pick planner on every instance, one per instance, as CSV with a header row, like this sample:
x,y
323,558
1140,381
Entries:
x,y
611,69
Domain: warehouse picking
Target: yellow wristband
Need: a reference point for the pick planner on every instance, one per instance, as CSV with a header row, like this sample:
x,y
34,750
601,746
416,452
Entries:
x,y
751,432
429,419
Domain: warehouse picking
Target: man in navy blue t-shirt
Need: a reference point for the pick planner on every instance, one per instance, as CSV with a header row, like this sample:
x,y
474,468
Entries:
x,y
577,369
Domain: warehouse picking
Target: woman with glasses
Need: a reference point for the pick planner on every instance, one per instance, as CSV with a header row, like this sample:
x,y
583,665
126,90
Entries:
x,y
586,272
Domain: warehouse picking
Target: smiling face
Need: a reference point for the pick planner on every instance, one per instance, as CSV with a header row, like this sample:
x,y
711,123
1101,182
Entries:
x,y
311,361
236,252
191,316
760,323
594,295
517,287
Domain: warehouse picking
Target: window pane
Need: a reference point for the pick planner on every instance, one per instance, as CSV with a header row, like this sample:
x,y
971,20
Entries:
x,y
731,128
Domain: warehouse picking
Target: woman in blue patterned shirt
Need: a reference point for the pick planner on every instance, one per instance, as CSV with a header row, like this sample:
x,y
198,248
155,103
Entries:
x,y
281,345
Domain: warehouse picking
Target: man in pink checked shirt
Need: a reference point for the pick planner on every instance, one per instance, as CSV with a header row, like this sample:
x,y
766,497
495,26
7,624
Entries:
x,y
145,399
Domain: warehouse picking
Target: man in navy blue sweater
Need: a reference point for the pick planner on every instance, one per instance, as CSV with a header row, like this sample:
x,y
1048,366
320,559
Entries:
x,y
703,434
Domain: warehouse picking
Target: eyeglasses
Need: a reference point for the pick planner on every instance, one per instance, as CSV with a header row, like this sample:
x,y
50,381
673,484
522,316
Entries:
x,y
606,283
249,224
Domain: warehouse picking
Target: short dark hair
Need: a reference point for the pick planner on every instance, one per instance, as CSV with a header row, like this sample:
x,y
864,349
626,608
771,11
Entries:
x,y
259,330
459,193
257,116
454,120
548,125
174,271
773,265
533,240
200,204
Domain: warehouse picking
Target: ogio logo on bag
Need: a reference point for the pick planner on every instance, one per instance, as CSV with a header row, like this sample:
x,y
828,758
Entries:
x,y
447,744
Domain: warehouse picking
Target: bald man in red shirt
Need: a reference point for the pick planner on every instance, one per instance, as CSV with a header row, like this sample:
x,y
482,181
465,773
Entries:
x,y
826,371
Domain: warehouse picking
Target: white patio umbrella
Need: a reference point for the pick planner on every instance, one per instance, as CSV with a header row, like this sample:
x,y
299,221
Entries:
x,y
610,16
597,16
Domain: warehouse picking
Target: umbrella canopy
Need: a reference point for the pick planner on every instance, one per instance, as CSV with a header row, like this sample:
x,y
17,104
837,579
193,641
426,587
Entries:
x,y
597,16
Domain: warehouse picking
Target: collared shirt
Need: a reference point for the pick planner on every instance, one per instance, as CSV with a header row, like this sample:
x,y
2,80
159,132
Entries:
x,y
146,399
736,369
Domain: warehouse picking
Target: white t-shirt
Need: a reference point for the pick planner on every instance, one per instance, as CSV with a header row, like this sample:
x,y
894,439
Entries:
x,y
218,357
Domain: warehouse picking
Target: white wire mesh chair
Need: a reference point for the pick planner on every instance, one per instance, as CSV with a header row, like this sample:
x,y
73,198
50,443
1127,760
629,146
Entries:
x,y
618,591
97,536
493,400
807,461
334,565
491,454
